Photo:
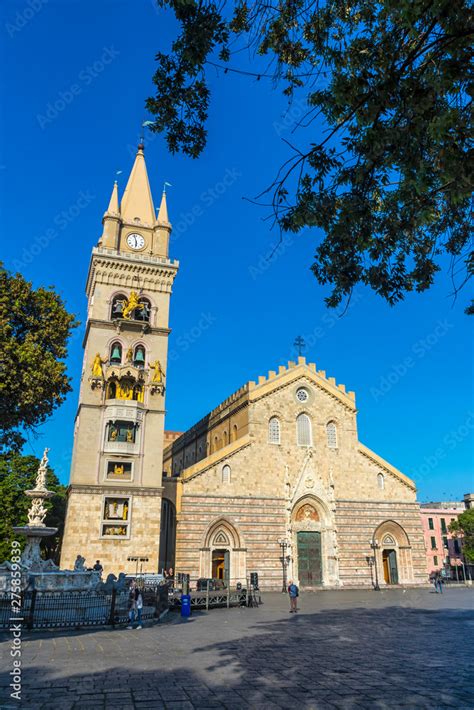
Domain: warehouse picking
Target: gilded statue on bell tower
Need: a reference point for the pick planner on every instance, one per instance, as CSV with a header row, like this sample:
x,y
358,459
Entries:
x,y
131,305
158,375
96,366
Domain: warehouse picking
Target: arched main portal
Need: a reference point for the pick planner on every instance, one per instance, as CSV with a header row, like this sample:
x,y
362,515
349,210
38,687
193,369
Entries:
x,y
314,561
393,553
223,556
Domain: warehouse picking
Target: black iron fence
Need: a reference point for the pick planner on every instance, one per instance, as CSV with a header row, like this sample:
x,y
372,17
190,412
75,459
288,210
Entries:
x,y
41,610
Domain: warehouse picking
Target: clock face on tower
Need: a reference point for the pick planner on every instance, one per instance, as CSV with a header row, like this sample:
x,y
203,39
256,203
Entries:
x,y
135,241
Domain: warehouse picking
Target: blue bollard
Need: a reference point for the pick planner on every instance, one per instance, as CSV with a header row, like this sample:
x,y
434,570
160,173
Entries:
x,y
185,605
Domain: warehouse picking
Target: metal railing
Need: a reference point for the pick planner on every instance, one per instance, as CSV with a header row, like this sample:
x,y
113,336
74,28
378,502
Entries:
x,y
234,592
41,610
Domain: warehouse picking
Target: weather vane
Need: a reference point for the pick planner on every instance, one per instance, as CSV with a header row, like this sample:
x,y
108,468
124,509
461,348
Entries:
x,y
299,344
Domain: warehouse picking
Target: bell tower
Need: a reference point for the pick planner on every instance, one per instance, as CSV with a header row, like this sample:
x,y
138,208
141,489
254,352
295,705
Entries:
x,y
114,501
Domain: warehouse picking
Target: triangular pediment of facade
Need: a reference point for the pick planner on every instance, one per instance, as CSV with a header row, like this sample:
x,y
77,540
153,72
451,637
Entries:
x,y
386,466
266,385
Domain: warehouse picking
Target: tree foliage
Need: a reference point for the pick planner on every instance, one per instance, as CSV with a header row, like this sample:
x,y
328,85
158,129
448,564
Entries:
x,y
34,330
389,182
18,474
464,527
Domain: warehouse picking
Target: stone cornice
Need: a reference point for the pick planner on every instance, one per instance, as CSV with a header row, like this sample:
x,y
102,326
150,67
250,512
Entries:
x,y
121,324
377,502
386,466
114,489
155,273
104,404
252,498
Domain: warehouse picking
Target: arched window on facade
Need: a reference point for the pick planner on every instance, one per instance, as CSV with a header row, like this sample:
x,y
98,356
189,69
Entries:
x,y
274,430
116,354
118,304
144,311
304,435
224,436
381,481
111,390
331,431
216,443
226,474
139,356
234,432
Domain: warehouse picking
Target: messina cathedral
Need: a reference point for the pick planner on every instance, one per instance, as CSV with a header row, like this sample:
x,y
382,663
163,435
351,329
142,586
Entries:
x,y
273,480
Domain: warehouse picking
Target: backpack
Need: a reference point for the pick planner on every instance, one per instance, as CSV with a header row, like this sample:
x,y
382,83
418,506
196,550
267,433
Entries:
x,y
294,591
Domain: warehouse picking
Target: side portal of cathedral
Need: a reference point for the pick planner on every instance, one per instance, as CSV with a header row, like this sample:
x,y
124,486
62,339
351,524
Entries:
x,y
274,480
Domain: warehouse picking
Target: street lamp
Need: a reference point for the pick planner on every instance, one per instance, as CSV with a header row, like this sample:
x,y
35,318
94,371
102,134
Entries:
x,y
370,561
284,545
374,544
137,560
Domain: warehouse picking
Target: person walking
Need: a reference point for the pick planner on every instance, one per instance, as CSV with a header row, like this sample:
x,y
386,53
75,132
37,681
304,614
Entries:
x,y
139,609
135,606
439,582
293,593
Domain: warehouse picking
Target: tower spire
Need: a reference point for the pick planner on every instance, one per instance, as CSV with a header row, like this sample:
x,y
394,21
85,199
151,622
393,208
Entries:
x,y
137,202
113,207
163,211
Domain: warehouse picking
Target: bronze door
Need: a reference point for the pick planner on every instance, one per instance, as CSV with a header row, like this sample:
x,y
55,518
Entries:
x,y
309,559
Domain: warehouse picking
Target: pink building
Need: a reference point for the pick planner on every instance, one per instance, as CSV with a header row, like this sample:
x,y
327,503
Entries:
x,y
443,552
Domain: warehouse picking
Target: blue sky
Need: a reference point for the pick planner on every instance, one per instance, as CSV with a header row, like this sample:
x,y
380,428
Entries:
x,y
77,76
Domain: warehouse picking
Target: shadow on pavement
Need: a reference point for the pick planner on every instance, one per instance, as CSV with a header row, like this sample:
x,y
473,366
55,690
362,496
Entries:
x,y
389,659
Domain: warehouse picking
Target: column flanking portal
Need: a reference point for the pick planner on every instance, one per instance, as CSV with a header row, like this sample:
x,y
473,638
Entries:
x,y
114,503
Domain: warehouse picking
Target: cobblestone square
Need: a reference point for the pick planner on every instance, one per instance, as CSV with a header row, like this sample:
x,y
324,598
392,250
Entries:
x,y
343,650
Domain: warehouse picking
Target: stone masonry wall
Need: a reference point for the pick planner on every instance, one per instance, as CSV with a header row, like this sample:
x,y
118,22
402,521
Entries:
x,y
83,527
260,523
357,522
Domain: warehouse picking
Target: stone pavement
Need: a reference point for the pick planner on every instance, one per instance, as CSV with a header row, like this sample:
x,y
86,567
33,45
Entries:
x,y
354,649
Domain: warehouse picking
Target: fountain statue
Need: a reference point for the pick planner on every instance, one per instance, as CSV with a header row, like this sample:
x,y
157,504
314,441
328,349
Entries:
x,y
36,572
36,528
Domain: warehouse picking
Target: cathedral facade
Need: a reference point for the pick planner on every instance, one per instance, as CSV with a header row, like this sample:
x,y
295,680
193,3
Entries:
x,y
274,480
